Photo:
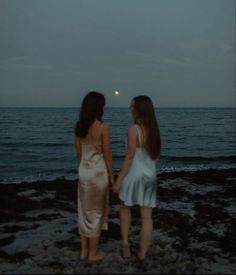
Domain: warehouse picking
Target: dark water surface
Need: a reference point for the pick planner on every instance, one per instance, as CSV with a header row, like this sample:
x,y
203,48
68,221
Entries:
x,y
38,143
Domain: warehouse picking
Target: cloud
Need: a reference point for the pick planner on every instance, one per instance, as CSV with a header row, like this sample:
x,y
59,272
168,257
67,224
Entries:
x,y
197,52
24,64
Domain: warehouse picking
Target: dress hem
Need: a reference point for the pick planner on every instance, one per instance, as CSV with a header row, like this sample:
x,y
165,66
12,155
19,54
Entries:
x,y
89,236
93,236
137,204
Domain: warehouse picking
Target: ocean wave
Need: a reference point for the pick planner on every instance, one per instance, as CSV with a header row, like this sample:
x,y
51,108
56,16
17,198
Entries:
x,y
73,176
63,171
198,158
19,144
189,158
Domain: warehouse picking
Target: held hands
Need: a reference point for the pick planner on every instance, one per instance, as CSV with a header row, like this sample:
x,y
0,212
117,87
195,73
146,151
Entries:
x,y
111,182
116,186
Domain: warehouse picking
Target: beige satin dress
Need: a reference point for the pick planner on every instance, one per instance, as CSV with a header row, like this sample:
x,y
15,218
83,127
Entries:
x,y
93,191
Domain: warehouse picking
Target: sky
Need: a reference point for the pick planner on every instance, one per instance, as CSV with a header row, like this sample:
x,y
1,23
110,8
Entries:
x,y
181,53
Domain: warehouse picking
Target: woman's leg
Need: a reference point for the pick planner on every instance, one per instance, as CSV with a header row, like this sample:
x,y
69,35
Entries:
x,y
84,247
125,220
94,254
146,231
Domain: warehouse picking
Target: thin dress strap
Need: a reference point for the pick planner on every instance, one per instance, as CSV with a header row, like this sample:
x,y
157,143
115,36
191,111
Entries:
x,y
139,135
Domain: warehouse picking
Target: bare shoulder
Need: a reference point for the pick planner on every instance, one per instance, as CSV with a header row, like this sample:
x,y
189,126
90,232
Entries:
x,y
105,129
132,130
105,125
77,138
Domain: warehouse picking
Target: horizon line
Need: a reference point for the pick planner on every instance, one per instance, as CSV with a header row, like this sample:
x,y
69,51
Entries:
x,y
71,107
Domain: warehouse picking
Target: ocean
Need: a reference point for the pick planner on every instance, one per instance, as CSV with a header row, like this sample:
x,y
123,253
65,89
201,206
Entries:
x,y
38,143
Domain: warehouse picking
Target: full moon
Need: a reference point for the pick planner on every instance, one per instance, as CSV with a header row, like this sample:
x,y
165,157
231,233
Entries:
x,y
117,93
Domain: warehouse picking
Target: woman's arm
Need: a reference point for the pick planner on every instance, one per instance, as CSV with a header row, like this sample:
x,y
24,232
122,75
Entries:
x,y
78,148
107,150
132,137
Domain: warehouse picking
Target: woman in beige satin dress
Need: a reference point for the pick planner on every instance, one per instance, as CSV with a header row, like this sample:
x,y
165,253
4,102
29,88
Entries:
x,y
93,152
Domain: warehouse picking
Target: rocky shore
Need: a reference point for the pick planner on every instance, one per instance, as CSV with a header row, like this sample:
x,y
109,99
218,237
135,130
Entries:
x,y
194,228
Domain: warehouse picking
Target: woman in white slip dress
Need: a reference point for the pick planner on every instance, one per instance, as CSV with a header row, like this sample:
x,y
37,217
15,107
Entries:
x,y
137,182
94,154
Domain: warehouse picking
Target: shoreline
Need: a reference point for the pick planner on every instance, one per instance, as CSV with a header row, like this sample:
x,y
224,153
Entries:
x,y
174,172
194,225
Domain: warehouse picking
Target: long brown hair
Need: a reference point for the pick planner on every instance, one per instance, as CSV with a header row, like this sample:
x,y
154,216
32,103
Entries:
x,y
145,114
91,109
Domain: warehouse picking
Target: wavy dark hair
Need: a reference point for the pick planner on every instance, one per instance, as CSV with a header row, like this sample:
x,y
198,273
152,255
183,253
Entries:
x,y
145,113
91,109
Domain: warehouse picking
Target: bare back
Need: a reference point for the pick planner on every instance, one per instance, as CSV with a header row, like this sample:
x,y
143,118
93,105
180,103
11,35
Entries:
x,y
142,141
94,134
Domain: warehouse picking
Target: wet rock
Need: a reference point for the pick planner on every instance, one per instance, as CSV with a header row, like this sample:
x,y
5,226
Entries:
x,y
194,228
7,241
14,257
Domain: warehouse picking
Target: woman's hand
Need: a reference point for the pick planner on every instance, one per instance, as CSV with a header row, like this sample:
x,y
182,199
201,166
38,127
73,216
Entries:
x,y
111,182
116,187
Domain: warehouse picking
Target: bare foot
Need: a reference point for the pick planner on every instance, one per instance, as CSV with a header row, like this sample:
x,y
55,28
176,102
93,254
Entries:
x,y
97,257
83,256
126,251
141,256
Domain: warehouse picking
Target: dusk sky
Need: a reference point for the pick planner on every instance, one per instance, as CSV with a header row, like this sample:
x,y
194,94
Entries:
x,y
181,53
